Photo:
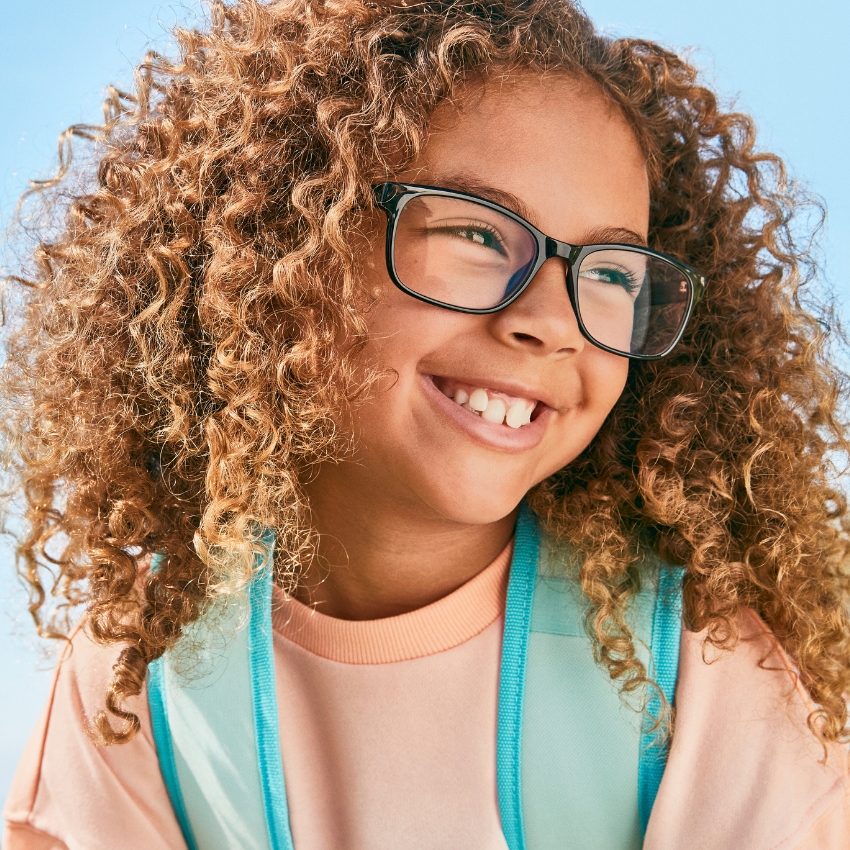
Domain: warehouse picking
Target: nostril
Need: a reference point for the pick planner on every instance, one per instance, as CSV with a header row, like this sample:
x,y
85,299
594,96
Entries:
x,y
521,337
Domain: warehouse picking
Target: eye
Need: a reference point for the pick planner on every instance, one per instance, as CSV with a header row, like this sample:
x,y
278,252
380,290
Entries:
x,y
613,275
476,233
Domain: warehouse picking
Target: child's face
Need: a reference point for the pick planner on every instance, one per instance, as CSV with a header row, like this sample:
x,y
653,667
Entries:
x,y
572,161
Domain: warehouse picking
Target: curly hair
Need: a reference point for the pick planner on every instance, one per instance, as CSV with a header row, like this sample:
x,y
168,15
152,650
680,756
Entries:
x,y
183,343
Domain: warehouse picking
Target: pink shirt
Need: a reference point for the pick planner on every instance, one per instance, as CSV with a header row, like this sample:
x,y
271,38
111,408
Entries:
x,y
388,733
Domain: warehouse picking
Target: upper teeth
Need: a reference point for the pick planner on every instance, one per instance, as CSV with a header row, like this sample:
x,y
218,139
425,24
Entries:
x,y
494,409
479,400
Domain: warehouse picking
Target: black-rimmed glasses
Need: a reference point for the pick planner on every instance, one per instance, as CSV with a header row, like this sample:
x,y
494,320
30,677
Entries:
x,y
468,254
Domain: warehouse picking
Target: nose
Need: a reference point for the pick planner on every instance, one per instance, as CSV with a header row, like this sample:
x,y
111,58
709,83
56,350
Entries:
x,y
542,319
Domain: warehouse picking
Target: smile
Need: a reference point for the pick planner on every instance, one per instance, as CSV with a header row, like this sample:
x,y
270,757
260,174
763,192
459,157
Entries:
x,y
491,405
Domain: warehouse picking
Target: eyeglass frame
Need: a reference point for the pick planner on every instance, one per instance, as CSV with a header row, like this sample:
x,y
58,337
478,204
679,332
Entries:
x,y
392,197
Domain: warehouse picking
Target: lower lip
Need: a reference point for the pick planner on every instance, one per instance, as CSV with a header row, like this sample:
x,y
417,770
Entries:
x,y
501,437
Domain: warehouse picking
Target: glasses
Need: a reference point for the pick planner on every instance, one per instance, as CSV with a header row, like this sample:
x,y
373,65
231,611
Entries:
x,y
467,254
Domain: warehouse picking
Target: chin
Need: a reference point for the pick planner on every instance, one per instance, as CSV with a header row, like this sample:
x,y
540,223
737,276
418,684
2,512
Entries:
x,y
478,506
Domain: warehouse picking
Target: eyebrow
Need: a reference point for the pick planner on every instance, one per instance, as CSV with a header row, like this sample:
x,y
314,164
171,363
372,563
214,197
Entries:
x,y
470,185
621,235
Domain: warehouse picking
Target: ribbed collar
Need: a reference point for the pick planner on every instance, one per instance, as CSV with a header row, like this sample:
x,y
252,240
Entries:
x,y
435,628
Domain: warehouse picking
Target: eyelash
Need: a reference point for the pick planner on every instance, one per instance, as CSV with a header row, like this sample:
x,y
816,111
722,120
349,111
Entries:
x,y
478,228
631,280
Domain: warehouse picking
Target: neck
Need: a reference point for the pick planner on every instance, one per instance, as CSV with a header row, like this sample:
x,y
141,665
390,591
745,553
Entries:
x,y
381,555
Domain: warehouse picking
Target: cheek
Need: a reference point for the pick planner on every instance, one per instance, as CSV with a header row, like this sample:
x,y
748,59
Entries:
x,y
395,337
402,330
610,375
602,378
604,384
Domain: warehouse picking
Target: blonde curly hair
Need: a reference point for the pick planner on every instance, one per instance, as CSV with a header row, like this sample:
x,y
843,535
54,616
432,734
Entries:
x,y
181,347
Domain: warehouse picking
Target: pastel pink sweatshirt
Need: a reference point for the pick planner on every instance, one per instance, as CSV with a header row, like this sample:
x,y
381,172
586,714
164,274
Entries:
x,y
388,733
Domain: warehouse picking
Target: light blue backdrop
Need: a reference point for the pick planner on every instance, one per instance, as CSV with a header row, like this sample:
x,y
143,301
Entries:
x,y
785,63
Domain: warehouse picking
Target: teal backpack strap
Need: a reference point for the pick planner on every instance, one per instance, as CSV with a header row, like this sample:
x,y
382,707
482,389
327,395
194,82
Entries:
x,y
217,733
576,768
666,632
512,679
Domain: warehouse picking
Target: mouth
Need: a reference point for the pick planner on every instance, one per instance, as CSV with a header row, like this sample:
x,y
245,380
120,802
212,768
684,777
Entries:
x,y
492,405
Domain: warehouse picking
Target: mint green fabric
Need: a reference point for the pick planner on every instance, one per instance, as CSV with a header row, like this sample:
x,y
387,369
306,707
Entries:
x,y
581,744
211,720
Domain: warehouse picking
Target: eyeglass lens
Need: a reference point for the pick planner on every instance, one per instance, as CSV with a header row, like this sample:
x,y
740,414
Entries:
x,y
467,255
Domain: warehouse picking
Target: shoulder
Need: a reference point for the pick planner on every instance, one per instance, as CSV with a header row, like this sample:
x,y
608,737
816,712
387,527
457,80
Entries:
x,y
67,789
744,769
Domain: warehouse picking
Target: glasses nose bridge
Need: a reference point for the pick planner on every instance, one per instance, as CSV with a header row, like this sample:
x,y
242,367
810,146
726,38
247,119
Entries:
x,y
555,248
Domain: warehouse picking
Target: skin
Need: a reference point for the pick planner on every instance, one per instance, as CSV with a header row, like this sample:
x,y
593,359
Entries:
x,y
430,497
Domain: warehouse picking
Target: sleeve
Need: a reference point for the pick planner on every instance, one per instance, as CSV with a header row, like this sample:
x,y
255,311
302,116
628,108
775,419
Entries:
x,y
744,769
18,836
68,793
831,831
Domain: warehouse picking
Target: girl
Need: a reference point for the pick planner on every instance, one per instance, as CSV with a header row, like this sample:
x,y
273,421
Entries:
x,y
399,378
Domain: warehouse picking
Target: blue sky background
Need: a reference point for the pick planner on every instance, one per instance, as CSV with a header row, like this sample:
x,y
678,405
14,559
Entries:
x,y
783,63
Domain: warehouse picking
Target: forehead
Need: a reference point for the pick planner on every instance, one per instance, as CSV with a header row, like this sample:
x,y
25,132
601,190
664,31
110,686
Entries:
x,y
555,142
